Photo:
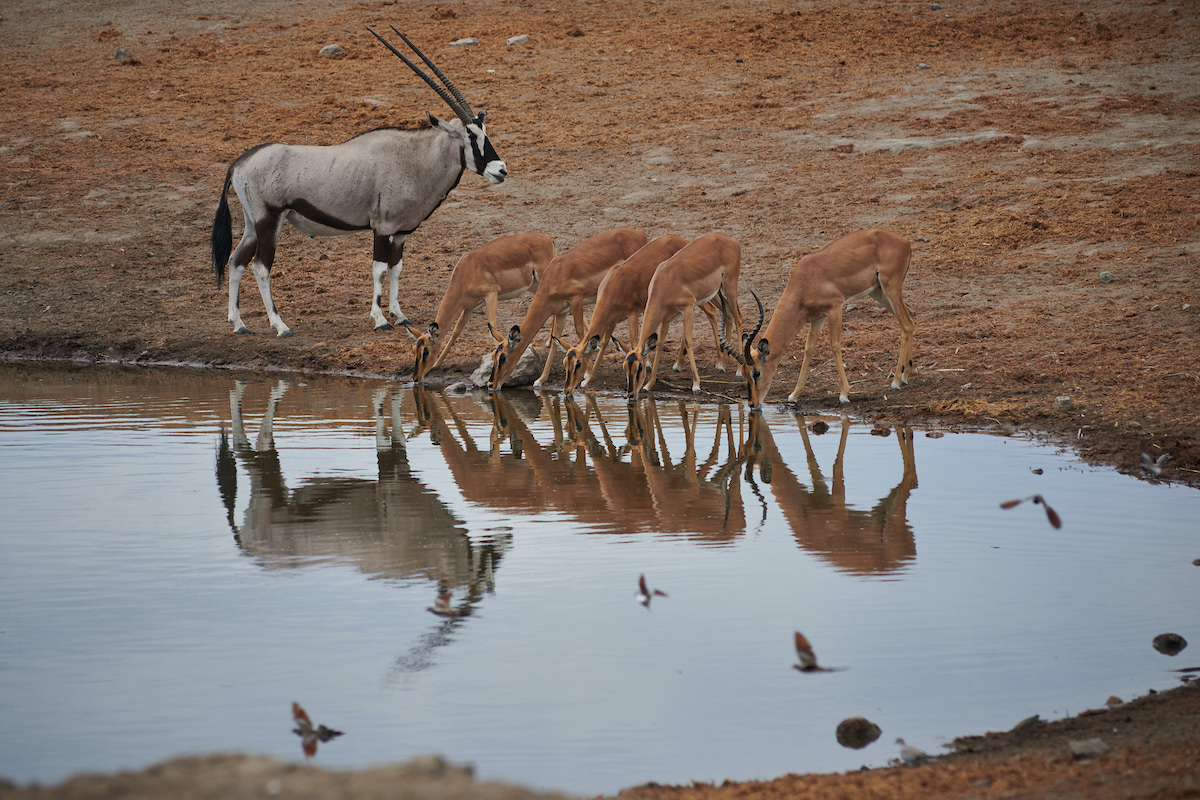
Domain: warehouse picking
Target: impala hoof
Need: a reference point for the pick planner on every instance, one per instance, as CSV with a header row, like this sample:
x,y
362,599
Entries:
x,y
844,400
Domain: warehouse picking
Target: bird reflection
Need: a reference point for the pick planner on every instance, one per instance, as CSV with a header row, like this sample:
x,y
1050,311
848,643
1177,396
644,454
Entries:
x,y
808,659
310,736
644,594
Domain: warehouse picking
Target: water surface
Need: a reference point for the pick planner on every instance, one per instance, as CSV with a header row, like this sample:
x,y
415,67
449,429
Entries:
x,y
184,554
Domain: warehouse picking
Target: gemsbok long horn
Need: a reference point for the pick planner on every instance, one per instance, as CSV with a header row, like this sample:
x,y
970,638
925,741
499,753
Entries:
x,y
453,98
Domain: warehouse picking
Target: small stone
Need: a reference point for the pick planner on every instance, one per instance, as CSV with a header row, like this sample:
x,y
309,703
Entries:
x,y
526,372
1196,562
857,732
935,7
123,55
1186,306
332,51
1154,307
819,426
1170,644
467,42
1029,722
458,387
1063,403
923,66
1113,701
522,39
934,435
1036,470
1087,748
1106,277
964,387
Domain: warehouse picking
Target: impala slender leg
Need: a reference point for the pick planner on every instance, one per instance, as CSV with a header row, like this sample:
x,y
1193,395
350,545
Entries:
x,y
710,310
459,324
555,328
810,347
689,316
595,365
662,338
835,342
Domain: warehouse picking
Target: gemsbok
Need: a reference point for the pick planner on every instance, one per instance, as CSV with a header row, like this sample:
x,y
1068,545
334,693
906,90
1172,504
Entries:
x,y
500,270
870,262
388,181
622,295
571,280
691,277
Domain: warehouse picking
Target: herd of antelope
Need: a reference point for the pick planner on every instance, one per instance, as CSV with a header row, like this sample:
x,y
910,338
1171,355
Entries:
x,y
390,180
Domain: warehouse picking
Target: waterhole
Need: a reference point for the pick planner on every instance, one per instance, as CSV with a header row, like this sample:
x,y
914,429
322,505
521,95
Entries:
x,y
186,553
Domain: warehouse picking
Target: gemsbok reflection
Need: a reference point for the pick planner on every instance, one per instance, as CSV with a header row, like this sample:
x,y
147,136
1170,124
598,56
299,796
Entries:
x,y
391,527
874,542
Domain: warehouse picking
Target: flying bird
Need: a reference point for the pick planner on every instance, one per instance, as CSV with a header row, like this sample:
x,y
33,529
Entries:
x,y
808,659
1151,465
1051,514
310,736
645,594
912,755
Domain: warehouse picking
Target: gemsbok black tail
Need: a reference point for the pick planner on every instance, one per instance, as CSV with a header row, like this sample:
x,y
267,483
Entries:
x,y
222,231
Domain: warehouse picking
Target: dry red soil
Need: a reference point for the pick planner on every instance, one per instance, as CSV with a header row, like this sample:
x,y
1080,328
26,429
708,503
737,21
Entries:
x,y
1041,156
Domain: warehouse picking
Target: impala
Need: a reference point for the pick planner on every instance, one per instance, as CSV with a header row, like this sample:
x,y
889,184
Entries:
x,y
388,181
691,277
871,262
500,270
622,295
570,280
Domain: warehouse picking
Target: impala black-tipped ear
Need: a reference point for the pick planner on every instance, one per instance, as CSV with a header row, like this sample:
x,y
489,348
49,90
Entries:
x,y
592,344
764,348
434,330
514,335
651,345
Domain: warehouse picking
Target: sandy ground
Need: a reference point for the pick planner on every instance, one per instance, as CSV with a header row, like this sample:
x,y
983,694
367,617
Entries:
x,y
1041,156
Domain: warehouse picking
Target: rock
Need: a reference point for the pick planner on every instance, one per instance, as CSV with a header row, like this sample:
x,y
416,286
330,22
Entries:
x,y
1113,701
1087,748
819,426
1170,644
935,7
1063,403
527,370
1106,277
332,51
923,66
458,387
467,42
522,39
857,732
123,55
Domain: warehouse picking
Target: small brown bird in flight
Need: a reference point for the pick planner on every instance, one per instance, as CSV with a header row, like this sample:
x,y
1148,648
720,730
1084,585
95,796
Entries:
x,y
1051,514
808,659
644,594
310,736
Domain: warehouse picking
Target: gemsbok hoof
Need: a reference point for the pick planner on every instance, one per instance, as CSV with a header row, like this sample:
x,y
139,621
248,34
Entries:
x,y
243,329
285,334
387,326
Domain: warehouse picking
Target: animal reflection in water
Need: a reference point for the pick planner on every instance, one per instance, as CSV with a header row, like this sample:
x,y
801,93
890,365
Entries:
x,y
391,527
862,542
582,472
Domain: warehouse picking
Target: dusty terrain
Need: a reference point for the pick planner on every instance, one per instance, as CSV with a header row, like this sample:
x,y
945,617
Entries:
x,y
1041,156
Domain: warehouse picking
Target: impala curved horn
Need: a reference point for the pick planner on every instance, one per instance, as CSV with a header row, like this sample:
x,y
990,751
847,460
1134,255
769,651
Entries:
x,y
748,339
721,328
453,98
